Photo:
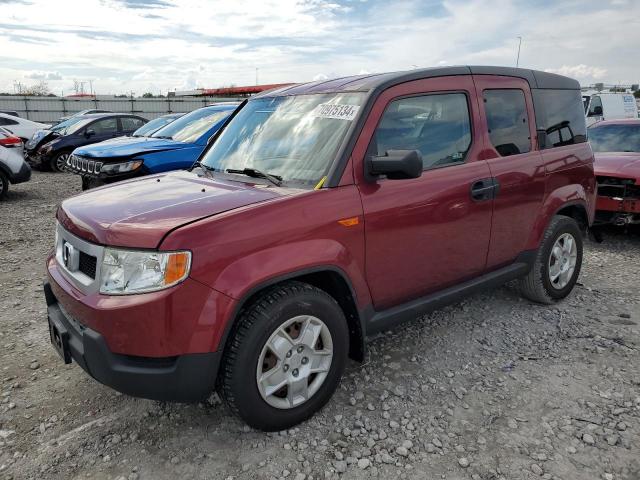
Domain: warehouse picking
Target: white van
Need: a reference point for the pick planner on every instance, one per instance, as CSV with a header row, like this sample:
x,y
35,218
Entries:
x,y
609,106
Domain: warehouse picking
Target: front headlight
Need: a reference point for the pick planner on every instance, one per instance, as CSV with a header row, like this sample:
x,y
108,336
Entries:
x,y
117,168
129,271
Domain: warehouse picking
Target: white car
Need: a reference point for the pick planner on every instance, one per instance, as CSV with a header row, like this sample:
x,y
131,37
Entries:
x,y
608,106
13,169
20,127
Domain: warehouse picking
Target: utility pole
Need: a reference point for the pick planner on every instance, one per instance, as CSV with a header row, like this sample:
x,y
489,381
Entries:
x,y
256,75
518,57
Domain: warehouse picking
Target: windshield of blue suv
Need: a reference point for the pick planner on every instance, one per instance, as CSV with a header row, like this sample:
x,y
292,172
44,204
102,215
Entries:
x,y
615,138
294,138
192,126
154,125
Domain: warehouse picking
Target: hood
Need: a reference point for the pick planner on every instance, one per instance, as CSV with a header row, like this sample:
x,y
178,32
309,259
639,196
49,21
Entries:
x,y
618,164
140,212
128,147
38,137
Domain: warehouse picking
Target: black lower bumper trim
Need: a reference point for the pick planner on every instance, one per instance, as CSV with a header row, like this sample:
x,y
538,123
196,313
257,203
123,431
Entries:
x,y
185,378
23,175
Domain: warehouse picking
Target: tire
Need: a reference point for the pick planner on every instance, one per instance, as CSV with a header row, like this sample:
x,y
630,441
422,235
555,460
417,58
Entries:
x,y
58,161
544,284
4,185
248,358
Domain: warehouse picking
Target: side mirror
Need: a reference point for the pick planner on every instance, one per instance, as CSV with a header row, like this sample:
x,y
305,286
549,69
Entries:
x,y
397,164
89,133
596,111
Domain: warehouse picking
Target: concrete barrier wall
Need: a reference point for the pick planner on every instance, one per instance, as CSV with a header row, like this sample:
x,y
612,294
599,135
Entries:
x,y
49,109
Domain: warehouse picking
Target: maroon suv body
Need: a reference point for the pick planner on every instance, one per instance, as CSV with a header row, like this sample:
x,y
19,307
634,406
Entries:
x,y
388,195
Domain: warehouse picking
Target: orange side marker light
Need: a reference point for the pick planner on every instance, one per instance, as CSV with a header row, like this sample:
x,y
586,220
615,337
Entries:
x,y
349,222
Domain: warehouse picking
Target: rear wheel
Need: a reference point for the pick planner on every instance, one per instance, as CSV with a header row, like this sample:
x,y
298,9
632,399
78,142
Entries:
x,y
4,185
558,263
58,162
286,357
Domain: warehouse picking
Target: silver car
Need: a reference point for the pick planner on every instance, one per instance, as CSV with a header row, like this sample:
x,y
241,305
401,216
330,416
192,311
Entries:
x,y
13,168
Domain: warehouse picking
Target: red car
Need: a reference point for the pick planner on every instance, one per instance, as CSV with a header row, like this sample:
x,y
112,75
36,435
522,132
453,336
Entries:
x,y
322,214
616,144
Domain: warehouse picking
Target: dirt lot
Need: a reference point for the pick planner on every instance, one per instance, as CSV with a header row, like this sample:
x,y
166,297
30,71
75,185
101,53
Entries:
x,y
492,388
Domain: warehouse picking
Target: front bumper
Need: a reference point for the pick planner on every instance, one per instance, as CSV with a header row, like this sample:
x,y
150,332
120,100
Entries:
x,y
183,378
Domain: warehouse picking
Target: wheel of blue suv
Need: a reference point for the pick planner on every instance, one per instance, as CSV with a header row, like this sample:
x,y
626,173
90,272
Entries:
x,y
286,356
557,264
4,185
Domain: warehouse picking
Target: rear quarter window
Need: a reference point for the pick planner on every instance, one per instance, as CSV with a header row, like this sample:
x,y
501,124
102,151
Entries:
x,y
560,113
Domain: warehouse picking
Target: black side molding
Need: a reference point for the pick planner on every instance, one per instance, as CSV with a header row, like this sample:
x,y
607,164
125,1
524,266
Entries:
x,y
376,322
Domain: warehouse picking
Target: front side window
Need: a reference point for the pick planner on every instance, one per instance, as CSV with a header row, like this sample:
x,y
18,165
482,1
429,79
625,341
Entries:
x,y
615,138
507,121
295,137
103,127
436,125
560,114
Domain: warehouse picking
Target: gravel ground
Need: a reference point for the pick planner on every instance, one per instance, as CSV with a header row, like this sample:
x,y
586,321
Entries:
x,y
491,388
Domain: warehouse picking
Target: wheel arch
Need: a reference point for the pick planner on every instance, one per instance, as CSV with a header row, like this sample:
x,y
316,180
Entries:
x,y
328,278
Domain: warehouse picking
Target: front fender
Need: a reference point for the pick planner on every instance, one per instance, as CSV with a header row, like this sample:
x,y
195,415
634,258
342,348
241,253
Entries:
x,y
248,273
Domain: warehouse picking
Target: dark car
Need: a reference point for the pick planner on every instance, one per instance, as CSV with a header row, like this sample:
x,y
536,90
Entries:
x,y
321,216
53,150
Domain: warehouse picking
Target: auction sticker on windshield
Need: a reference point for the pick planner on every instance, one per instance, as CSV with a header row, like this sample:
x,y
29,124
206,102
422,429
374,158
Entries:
x,y
337,111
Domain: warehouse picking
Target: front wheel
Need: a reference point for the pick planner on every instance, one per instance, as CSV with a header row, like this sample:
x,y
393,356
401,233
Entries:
x,y
558,263
286,357
58,162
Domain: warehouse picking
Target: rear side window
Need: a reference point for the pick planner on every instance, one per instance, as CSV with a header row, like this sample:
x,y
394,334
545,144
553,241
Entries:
x,y
437,125
507,120
560,113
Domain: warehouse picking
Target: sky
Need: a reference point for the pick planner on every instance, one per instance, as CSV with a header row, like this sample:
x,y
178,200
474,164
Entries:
x,y
161,45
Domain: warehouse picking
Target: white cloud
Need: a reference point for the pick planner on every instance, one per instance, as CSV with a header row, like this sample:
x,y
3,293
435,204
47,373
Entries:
x,y
43,76
580,71
219,42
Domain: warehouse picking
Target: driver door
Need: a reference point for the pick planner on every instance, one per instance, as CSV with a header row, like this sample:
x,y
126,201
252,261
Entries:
x,y
428,233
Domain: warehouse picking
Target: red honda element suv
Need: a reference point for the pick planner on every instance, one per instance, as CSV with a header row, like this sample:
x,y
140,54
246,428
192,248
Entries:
x,y
321,214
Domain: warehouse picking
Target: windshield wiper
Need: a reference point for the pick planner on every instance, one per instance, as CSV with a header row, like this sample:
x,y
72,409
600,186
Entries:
x,y
164,136
252,172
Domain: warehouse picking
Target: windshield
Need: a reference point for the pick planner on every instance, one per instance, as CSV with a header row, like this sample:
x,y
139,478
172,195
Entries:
x,y
294,137
62,127
585,102
193,125
154,125
615,138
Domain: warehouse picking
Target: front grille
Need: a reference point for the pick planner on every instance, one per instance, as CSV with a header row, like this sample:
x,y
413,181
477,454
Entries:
x,y
618,187
83,166
88,265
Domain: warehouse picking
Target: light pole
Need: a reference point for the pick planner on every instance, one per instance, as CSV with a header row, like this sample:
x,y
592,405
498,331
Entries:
x,y
518,57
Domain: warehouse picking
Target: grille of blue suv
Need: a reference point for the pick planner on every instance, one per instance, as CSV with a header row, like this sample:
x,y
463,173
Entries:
x,y
83,166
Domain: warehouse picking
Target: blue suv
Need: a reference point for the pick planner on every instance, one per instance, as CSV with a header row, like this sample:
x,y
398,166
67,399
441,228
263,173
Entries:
x,y
175,146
